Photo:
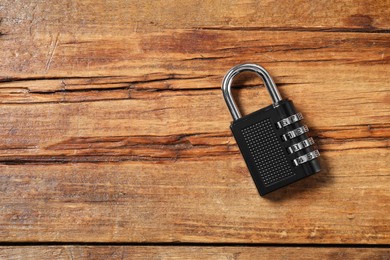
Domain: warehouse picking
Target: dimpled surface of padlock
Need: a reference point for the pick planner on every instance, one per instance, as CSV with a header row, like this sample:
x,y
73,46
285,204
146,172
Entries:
x,y
273,141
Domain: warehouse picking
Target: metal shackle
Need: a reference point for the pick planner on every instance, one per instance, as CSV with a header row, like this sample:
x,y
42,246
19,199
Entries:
x,y
228,80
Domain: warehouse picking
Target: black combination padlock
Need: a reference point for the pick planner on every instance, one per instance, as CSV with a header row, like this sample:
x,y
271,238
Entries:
x,y
272,140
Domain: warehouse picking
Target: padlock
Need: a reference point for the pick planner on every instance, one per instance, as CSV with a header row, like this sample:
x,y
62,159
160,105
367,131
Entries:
x,y
272,140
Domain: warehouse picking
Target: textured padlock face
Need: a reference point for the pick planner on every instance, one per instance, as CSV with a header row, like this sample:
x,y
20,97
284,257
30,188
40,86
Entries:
x,y
265,147
269,157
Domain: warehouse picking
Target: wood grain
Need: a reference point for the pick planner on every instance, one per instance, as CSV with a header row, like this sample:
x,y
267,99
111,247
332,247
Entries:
x,y
204,200
199,252
122,17
114,129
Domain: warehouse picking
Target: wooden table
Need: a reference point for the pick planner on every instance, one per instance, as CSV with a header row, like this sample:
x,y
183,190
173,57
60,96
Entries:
x,y
115,138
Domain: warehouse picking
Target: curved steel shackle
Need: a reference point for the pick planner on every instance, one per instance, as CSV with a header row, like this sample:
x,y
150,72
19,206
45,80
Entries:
x,y
228,80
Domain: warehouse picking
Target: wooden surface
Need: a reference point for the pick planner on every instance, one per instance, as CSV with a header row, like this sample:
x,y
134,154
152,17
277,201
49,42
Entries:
x,y
114,129
179,252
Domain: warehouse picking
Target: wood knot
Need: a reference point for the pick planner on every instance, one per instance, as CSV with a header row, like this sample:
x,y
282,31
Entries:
x,y
361,21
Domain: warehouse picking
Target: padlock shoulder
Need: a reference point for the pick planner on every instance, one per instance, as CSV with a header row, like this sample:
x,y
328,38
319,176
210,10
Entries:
x,y
284,108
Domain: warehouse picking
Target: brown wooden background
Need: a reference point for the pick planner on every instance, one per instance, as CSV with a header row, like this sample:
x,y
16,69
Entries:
x,y
114,132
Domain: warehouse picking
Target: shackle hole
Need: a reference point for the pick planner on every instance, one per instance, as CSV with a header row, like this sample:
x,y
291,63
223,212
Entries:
x,y
249,92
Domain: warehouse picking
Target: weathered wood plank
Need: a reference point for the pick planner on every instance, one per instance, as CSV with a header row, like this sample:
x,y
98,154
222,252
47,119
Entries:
x,y
198,252
94,17
180,125
192,54
209,200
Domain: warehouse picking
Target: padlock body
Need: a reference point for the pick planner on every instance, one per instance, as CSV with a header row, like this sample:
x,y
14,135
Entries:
x,y
272,152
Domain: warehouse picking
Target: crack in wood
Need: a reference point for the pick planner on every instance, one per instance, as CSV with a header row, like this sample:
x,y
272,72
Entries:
x,y
51,53
168,148
208,58
101,159
15,79
299,29
130,87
